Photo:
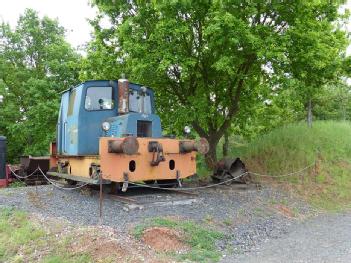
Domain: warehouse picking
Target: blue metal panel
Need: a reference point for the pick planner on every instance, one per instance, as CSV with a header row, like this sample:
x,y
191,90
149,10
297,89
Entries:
x,y
79,129
61,120
127,125
90,121
73,123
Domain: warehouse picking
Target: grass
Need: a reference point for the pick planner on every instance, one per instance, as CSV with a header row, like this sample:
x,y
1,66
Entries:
x,y
292,147
17,184
21,240
15,232
202,241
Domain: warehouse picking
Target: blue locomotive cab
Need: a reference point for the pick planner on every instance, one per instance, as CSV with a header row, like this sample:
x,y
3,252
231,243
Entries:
x,y
104,108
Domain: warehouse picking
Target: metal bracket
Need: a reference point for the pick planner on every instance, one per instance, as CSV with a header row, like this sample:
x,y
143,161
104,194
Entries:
x,y
125,183
156,149
178,178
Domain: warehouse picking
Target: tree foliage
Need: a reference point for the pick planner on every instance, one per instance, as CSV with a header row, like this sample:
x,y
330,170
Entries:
x,y
208,59
36,63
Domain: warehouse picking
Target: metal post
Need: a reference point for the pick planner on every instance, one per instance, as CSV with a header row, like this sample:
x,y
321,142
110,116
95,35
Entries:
x,y
100,201
3,181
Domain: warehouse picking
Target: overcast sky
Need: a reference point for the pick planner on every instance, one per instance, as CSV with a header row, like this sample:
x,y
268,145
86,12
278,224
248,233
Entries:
x,y
72,15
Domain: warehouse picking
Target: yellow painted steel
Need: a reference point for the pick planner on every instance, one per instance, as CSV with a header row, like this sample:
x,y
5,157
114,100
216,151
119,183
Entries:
x,y
80,165
114,165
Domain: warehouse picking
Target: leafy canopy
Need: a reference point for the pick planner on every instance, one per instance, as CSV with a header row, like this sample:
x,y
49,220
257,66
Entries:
x,y
36,63
208,59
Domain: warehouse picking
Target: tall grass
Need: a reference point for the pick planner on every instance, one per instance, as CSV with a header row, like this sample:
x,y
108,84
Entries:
x,y
295,146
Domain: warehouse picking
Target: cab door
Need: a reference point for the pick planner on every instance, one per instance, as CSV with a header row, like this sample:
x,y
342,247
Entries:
x,y
62,119
98,104
70,126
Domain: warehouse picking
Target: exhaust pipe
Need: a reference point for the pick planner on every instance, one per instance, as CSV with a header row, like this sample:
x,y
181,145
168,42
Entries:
x,y
123,96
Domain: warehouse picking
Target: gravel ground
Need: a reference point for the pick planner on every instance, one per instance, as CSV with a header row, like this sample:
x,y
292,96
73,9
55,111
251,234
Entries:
x,y
249,217
325,238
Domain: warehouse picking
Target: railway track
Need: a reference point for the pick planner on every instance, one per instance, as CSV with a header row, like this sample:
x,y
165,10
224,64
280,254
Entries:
x,y
145,196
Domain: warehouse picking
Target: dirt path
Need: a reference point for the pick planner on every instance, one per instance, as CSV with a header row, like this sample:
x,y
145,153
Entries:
x,y
325,238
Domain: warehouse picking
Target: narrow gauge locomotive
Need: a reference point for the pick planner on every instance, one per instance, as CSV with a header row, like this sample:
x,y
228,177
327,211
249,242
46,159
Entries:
x,y
109,130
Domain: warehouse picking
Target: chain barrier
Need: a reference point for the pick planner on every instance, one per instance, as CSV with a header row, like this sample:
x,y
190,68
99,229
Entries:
x,y
170,189
60,187
191,188
285,175
22,177
137,184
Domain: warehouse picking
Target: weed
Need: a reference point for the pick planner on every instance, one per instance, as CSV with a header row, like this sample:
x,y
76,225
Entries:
x,y
228,222
295,211
17,184
259,211
209,219
67,258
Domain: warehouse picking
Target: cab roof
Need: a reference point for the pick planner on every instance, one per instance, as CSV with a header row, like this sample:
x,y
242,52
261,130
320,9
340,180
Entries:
x,y
88,81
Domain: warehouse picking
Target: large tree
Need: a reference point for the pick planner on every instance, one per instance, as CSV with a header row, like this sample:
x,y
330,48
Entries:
x,y
36,63
208,59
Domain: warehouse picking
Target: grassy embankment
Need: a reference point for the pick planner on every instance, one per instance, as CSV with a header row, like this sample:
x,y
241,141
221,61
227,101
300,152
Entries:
x,y
25,239
22,240
290,148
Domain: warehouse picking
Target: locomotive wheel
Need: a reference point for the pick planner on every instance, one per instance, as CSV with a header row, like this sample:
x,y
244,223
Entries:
x,y
115,188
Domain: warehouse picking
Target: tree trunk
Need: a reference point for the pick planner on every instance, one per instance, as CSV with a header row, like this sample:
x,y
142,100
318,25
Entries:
x,y
226,144
211,156
309,113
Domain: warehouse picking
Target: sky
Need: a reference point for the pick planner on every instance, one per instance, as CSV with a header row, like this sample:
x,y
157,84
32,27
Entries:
x,y
72,15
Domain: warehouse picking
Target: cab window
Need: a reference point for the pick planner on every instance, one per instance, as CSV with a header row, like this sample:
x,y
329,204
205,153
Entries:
x,y
99,98
72,97
139,102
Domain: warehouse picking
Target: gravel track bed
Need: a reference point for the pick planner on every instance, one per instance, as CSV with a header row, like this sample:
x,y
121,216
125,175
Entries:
x,y
324,238
248,217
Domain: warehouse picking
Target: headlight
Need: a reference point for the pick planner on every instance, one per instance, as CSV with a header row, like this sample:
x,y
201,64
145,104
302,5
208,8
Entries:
x,y
106,126
187,129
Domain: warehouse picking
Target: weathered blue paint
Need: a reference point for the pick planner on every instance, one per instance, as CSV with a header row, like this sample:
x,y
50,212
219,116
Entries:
x,y
79,129
127,125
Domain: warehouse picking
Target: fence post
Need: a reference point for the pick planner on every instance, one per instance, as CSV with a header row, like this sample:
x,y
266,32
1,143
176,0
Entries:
x,y
100,198
3,180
